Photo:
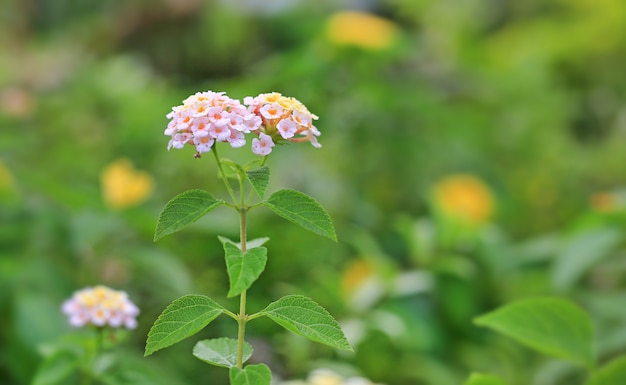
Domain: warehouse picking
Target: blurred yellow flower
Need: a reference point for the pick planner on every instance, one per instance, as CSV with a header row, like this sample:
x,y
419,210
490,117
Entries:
x,y
608,202
360,29
603,202
355,275
325,377
464,197
123,186
6,179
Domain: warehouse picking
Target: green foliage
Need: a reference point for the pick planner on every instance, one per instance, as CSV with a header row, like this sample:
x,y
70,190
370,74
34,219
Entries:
x,y
612,373
541,124
551,325
484,379
581,253
183,210
243,267
251,375
302,210
259,178
183,318
57,367
220,351
303,316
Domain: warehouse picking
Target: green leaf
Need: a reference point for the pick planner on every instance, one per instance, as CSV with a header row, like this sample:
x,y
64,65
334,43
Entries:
x,y
257,242
303,316
233,170
613,373
550,325
182,318
57,367
581,253
243,268
484,379
251,375
259,178
183,210
302,210
221,351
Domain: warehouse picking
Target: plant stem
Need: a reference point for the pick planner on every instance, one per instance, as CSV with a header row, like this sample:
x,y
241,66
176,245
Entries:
x,y
220,167
99,340
88,372
242,318
242,329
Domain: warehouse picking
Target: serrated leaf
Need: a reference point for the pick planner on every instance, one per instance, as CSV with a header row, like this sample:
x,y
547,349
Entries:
x,y
302,210
183,210
305,317
183,318
221,351
259,178
251,375
257,242
613,373
483,379
550,325
243,267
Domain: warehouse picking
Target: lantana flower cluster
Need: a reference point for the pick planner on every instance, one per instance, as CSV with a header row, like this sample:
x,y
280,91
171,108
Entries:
x,y
209,117
101,306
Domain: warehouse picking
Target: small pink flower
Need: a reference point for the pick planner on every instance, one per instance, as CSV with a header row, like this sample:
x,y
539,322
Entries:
x,y
271,111
200,127
236,139
287,128
262,145
220,133
203,143
251,122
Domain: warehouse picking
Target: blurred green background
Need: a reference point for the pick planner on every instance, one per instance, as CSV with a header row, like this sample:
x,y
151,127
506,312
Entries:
x,y
473,153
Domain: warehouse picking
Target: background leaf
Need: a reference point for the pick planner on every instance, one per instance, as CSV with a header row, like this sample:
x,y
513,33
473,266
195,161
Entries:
x,y
581,253
259,178
221,351
57,367
303,316
613,373
303,210
243,268
182,318
483,379
550,325
251,375
183,210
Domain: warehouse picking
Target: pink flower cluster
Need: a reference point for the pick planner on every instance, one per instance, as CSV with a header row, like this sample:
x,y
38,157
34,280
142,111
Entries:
x,y
209,117
101,306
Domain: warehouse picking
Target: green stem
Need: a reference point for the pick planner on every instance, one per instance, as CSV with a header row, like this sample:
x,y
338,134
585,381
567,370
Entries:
x,y
99,340
241,333
220,167
242,318
87,376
